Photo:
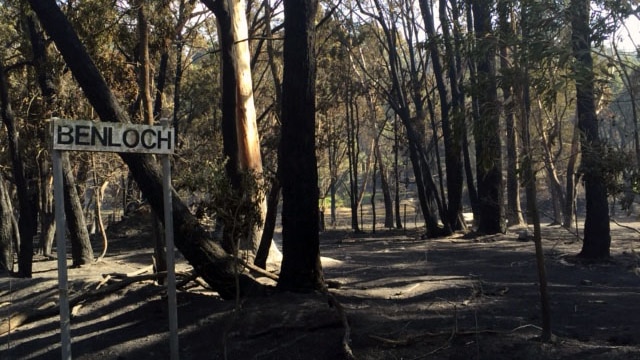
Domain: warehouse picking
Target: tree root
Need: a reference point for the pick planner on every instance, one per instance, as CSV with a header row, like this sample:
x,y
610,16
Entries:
x,y
346,338
418,337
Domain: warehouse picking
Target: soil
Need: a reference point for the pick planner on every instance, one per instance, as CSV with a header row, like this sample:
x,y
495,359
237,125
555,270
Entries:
x,y
404,297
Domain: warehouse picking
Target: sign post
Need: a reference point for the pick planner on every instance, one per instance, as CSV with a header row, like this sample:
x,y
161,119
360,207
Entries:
x,y
61,246
83,135
168,235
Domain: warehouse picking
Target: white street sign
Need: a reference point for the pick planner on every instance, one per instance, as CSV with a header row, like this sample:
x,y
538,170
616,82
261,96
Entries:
x,y
84,135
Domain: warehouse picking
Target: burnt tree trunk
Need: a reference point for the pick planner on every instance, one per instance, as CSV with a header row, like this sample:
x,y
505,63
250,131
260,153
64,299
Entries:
x,y
569,211
513,211
266,242
297,163
6,229
47,215
48,90
148,116
386,190
353,152
597,236
396,174
450,133
27,222
430,202
81,251
487,128
209,260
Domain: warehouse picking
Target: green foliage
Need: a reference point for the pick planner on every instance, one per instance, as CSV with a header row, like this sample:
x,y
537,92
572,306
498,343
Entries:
x,y
614,166
216,197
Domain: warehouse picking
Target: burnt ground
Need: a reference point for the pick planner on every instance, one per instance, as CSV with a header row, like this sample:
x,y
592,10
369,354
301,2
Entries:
x,y
403,297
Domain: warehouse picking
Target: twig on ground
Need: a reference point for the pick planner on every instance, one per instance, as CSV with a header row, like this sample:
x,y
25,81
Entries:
x,y
258,270
415,338
190,277
105,279
140,271
446,345
137,272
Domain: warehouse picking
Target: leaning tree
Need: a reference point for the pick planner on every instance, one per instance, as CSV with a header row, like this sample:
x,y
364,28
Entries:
x,y
216,266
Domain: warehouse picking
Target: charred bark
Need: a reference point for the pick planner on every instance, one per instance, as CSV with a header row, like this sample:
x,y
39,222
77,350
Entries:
x,y
386,190
513,211
269,226
597,235
450,132
27,222
6,229
45,182
81,250
297,163
487,128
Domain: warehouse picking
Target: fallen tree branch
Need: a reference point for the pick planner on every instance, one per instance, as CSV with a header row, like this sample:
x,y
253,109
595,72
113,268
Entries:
x,y
37,313
140,271
258,270
189,278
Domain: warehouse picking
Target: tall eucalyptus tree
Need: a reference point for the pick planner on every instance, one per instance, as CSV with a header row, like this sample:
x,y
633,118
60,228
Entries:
x,y
597,235
487,127
509,79
301,268
449,109
405,96
27,219
239,127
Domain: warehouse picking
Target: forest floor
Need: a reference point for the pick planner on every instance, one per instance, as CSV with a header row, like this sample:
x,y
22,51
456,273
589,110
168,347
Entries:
x,y
403,298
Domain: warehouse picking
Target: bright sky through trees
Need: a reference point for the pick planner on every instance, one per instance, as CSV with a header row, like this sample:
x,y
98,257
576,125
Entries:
x,y
629,35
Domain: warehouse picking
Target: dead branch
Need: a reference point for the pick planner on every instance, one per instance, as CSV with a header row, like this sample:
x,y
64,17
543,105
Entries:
x,y
105,279
258,270
626,226
189,278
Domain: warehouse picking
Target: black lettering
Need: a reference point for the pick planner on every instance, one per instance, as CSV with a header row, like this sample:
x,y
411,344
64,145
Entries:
x,y
95,134
144,136
65,135
127,142
111,138
167,139
82,135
